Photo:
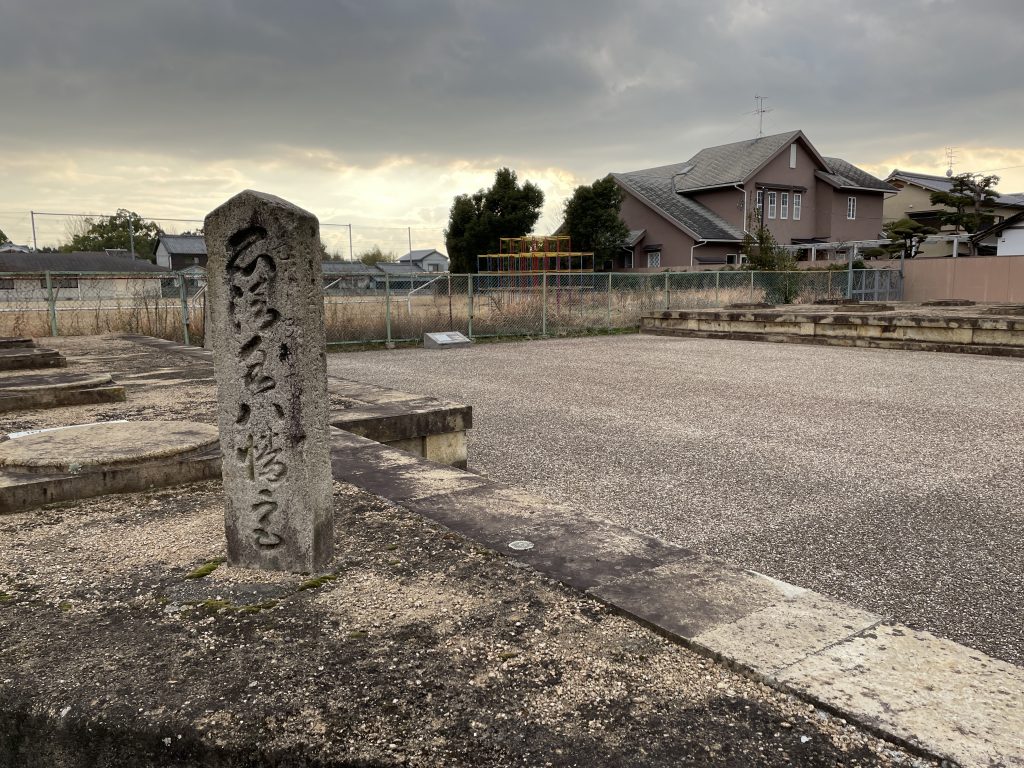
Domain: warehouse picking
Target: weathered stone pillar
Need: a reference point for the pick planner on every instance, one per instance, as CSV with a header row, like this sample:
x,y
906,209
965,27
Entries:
x,y
267,326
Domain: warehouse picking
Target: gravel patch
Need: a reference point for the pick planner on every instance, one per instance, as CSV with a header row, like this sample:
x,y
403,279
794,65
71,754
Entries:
x,y
889,479
130,643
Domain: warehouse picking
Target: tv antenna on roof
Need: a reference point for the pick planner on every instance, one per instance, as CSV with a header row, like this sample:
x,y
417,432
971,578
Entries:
x,y
951,159
761,109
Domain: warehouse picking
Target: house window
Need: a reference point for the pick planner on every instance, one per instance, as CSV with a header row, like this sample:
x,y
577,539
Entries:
x,y
654,259
60,282
792,156
784,205
432,267
760,200
851,208
798,200
772,205
627,261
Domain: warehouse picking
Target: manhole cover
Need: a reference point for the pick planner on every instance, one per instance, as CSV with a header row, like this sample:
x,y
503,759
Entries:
x,y
520,544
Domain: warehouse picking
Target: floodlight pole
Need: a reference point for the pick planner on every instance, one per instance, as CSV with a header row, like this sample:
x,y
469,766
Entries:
x,y
35,246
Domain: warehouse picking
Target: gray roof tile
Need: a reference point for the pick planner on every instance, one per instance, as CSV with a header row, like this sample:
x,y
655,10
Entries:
x,y
657,191
185,245
846,175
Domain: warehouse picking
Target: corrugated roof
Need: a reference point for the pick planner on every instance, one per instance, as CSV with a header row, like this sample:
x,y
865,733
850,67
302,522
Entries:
x,y
77,261
393,268
183,245
944,184
330,267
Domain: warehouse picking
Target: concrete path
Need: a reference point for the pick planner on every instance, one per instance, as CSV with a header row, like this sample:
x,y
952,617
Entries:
x,y
927,693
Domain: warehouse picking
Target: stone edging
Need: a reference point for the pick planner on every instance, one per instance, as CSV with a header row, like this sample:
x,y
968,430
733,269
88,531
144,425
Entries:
x,y
928,694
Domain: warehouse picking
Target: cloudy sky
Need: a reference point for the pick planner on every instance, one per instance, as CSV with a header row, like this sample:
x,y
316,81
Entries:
x,y
377,112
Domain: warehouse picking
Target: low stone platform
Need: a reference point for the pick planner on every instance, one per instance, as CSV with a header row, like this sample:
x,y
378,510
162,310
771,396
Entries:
x,y
425,426
18,358
78,462
51,390
995,330
16,342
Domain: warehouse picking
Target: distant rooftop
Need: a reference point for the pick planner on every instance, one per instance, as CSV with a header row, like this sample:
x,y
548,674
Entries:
x,y
944,183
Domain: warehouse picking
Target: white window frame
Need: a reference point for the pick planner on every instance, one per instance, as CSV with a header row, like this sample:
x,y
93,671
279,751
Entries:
x,y
653,259
784,205
772,204
759,200
851,208
798,203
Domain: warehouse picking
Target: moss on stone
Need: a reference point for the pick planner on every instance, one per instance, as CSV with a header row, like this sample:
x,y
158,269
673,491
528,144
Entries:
x,y
206,568
317,582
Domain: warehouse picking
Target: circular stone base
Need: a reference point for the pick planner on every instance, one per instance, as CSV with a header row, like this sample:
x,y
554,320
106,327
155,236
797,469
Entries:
x,y
103,445
31,382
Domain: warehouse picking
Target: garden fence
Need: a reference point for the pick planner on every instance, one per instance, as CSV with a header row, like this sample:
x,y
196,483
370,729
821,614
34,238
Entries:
x,y
377,308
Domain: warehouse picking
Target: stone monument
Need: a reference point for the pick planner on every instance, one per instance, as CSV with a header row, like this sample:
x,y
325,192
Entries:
x,y
267,326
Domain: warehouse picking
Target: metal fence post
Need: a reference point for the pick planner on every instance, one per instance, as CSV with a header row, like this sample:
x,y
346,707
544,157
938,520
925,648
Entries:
x,y
183,293
470,294
544,304
666,292
751,286
718,277
849,279
829,294
608,317
387,309
52,304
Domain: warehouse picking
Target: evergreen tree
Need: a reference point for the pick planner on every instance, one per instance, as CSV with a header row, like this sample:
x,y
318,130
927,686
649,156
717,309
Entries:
x,y
477,222
592,220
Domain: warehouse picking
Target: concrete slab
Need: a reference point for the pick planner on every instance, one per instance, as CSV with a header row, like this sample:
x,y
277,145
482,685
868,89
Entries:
x,y
18,359
49,390
77,463
581,552
15,342
398,475
783,633
105,445
691,596
931,692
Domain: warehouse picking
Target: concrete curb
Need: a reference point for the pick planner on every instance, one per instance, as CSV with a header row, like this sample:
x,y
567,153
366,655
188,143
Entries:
x,y
930,695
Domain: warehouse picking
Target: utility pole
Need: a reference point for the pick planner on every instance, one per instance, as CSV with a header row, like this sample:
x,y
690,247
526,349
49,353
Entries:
x,y
351,253
35,245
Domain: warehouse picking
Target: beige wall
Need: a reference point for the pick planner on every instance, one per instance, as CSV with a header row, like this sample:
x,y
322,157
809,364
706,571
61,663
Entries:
x,y
979,278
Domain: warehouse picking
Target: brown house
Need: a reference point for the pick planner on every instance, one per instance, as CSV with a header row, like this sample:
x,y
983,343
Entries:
x,y
692,215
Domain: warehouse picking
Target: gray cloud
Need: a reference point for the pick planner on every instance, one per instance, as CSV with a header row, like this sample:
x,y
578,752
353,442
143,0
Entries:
x,y
588,85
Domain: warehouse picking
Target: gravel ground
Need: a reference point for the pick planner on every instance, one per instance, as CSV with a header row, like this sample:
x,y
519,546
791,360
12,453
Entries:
x,y
889,479
422,650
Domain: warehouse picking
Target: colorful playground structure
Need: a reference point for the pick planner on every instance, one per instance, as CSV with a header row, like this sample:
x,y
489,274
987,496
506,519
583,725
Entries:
x,y
534,254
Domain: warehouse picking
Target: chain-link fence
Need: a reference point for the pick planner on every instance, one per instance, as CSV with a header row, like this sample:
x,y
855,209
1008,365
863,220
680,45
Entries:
x,y
371,307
